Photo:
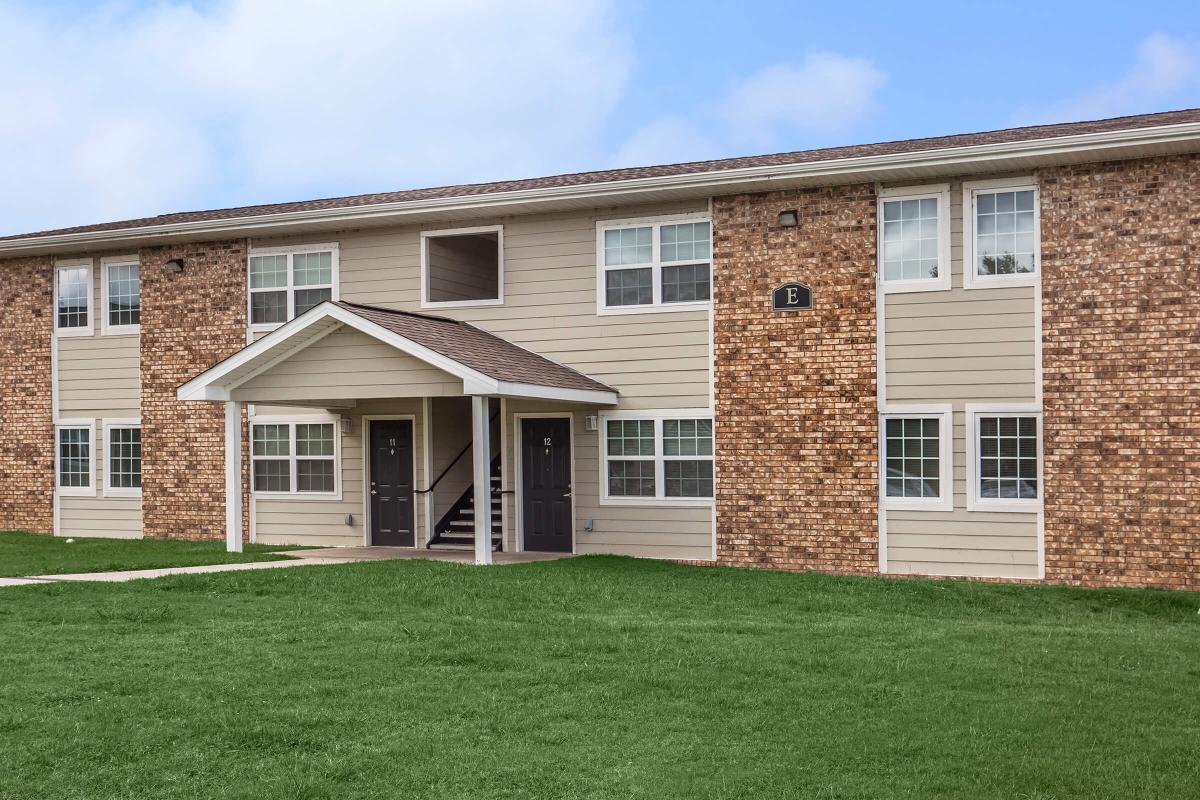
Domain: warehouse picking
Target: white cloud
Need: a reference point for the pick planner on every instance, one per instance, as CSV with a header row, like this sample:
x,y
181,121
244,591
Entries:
x,y
1165,72
125,112
824,95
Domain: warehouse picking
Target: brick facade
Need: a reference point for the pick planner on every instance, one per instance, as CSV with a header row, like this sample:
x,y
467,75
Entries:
x,y
190,321
1121,363
26,414
797,451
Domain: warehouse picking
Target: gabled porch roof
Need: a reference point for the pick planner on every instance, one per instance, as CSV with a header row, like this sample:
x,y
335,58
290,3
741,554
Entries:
x,y
486,364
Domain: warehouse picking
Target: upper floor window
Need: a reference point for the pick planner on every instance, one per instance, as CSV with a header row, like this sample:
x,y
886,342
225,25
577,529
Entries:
x,y
1001,241
664,456
285,282
661,265
914,238
73,299
122,295
462,267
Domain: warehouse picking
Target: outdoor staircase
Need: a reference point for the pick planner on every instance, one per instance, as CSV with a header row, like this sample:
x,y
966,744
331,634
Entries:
x,y
456,529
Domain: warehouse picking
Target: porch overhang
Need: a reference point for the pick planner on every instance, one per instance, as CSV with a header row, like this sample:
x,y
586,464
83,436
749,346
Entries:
x,y
485,364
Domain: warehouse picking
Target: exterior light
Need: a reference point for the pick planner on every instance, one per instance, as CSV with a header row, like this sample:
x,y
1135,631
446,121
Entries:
x,y
789,218
175,265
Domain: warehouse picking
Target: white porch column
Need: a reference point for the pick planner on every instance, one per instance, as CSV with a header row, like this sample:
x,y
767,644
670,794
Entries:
x,y
233,476
481,452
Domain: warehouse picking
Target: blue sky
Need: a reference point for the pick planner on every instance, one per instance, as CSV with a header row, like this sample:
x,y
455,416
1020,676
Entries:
x,y
123,109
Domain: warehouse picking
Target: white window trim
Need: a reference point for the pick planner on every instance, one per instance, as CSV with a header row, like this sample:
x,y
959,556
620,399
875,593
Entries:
x,y
290,251
90,328
970,190
109,426
291,421
75,491
940,193
1003,504
427,235
105,263
655,265
660,500
944,412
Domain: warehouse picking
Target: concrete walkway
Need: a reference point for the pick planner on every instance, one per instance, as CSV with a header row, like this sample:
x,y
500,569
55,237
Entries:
x,y
297,558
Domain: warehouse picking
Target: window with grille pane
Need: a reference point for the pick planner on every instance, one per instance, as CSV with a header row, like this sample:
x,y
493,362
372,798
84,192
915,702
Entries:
x,y
910,239
124,294
1005,241
640,451
125,458
912,448
1008,457
74,457
294,457
74,288
660,263
285,285
630,439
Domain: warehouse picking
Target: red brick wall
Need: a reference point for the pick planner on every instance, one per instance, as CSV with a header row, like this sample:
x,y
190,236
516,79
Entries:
x,y
1121,363
797,481
26,415
190,321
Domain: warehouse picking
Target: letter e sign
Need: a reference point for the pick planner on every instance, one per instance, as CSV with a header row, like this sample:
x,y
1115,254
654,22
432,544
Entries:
x,y
792,297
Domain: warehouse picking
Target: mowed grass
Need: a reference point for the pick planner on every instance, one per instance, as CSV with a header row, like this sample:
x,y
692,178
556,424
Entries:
x,y
594,677
24,553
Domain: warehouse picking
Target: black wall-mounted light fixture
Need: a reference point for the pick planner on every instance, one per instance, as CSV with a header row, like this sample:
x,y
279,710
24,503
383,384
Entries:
x,y
175,265
789,218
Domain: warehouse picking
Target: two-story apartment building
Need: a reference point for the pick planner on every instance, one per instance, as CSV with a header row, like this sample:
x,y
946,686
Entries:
x,y
973,355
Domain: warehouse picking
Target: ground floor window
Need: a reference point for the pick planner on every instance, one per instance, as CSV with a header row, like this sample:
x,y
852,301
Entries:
x,y
294,458
917,468
1005,462
124,464
74,459
657,455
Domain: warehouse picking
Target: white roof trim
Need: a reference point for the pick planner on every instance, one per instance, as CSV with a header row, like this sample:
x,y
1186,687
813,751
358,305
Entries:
x,y
219,381
715,179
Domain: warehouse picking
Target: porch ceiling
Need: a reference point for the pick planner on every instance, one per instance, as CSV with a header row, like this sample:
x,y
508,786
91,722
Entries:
x,y
416,355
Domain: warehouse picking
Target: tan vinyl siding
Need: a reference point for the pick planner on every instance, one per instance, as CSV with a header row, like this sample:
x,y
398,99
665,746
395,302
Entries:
x,y
110,517
99,374
655,360
959,347
348,364
322,522
654,531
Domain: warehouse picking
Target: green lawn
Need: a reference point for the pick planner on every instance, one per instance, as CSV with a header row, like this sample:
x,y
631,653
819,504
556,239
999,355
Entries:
x,y
592,678
33,554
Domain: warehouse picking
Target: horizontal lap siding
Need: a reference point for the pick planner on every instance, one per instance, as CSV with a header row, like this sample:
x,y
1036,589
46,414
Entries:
x,y
112,517
959,347
322,522
650,531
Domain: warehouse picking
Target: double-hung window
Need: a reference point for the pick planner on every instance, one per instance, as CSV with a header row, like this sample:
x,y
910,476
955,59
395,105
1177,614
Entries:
x,y
1004,457
659,265
73,298
122,295
294,458
73,458
914,239
123,458
1001,239
664,457
286,282
917,465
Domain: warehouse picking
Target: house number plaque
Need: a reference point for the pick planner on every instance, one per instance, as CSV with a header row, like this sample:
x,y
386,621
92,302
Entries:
x,y
792,297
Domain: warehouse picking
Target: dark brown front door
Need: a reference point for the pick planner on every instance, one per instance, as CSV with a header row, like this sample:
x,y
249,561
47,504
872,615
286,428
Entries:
x,y
392,482
546,484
